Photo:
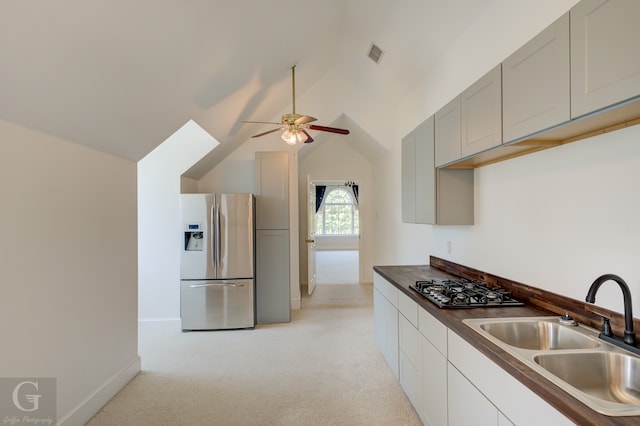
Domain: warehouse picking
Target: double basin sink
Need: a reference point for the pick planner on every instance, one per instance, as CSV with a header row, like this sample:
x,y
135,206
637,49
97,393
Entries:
x,y
602,376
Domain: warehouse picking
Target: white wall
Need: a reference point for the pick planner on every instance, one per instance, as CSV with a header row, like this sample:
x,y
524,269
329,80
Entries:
x,y
556,219
334,159
559,218
159,241
69,268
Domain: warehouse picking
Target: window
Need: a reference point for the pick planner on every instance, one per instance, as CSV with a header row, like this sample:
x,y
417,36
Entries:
x,y
338,214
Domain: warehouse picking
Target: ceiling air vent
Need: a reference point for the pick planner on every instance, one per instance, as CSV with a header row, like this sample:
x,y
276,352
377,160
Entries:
x,y
375,53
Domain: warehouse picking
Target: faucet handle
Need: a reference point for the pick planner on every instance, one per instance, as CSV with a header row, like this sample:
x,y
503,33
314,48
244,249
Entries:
x,y
567,319
606,326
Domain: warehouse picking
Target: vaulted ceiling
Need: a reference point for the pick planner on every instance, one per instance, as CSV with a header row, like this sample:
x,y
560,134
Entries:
x,y
121,76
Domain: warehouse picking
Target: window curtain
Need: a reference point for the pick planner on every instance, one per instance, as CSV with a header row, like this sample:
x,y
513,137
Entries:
x,y
320,191
354,188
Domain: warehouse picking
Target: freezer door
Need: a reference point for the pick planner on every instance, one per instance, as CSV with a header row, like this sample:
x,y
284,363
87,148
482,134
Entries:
x,y
235,227
217,304
197,237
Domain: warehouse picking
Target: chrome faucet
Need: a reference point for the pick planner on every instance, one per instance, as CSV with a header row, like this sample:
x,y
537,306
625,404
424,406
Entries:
x,y
629,333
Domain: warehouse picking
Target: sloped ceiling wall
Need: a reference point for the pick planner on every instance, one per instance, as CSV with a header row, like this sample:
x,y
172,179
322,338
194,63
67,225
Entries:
x,y
123,76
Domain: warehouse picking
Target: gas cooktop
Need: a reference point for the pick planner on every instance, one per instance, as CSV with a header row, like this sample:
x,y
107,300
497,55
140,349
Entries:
x,y
463,293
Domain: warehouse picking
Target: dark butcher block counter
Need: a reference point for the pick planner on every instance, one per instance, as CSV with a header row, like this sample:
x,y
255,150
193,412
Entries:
x,y
404,276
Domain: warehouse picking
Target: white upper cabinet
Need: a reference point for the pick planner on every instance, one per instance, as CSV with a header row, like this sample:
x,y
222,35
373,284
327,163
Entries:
x,y
425,173
447,133
429,195
418,175
481,113
535,83
605,64
272,190
409,178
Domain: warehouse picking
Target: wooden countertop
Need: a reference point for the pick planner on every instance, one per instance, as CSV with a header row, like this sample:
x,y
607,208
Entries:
x,y
403,276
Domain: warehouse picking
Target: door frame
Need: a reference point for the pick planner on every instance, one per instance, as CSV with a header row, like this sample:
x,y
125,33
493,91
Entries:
x,y
337,181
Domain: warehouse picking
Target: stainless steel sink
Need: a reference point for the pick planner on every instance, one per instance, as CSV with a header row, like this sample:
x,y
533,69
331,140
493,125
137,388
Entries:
x,y
604,377
609,376
538,335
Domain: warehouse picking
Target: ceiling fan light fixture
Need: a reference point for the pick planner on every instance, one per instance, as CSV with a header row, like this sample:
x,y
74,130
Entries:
x,y
293,137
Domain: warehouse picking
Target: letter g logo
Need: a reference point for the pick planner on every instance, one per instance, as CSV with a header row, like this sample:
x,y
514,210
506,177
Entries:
x,y
33,399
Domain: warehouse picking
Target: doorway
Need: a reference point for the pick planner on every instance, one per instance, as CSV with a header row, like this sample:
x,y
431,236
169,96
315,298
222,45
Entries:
x,y
334,232
337,266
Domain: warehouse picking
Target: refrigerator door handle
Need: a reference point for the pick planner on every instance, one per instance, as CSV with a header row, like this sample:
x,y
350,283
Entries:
x,y
216,284
212,238
217,239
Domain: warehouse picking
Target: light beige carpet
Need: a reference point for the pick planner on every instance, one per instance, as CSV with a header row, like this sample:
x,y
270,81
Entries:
x,y
321,369
337,267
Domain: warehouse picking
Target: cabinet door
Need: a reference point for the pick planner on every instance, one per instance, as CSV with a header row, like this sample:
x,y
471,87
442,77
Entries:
x,y
481,113
425,173
447,133
409,178
273,299
605,65
535,83
503,420
410,362
466,404
519,403
272,190
434,385
385,316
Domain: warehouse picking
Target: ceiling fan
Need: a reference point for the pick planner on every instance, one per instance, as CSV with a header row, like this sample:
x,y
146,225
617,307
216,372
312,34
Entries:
x,y
295,125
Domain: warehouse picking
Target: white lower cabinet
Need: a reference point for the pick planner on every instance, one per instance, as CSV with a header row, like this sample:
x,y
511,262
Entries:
x,y
503,421
386,321
434,385
410,362
517,402
466,405
448,381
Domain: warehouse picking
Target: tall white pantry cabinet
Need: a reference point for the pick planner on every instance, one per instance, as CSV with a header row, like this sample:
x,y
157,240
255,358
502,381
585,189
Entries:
x,y
273,298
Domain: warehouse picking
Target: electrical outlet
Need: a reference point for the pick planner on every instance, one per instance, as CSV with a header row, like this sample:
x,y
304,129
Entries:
x,y
449,247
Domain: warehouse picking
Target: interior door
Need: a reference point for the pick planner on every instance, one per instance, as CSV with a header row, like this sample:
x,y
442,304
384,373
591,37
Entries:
x,y
311,235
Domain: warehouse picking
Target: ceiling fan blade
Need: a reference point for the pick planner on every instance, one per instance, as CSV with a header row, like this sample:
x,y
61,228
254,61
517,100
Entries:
x,y
329,129
305,119
261,122
266,133
309,138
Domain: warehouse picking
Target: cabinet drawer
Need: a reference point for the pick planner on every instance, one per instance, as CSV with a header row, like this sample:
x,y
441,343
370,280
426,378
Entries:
x,y
408,308
433,330
386,289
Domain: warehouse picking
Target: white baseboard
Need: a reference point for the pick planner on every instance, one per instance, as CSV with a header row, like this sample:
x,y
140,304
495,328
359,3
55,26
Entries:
x,y
295,304
94,402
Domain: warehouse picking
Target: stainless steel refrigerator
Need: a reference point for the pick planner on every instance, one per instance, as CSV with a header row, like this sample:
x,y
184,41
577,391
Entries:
x,y
217,287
